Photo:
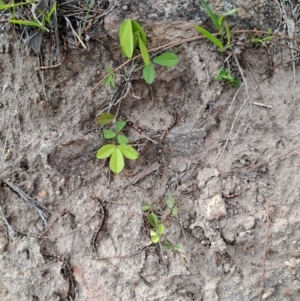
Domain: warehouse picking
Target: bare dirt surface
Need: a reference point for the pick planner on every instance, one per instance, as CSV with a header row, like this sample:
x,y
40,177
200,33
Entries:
x,y
231,161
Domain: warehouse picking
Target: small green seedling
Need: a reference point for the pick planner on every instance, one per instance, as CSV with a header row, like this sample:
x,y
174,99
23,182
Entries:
x,y
119,147
171,204
111,79
132,36
262,41
221,26
231,81
174,247
157,227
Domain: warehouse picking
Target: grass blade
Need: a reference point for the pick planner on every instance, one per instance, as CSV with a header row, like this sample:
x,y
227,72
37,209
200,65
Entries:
x,y
210,37
213,17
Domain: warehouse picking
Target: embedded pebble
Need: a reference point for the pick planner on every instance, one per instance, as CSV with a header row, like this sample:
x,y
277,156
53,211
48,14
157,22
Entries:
x,y
216,208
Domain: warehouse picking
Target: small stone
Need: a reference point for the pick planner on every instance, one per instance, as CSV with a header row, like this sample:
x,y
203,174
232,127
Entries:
x,y
43,193
8,155
296,284
268,293
63,182
216,208
37,97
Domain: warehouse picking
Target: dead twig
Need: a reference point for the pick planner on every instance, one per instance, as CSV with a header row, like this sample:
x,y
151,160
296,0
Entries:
x,y
99,230
145,172
261,105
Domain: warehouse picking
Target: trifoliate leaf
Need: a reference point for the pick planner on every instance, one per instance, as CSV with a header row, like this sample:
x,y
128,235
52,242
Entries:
x,y
108,134
175,211
170,201
120,125
154,237
146,207
116,163
144,52
105,151
152,219
136,27
177,247
149,73
107,81
167,59
168,246
126,38
128,152
122,140
109,70
161,229
105,119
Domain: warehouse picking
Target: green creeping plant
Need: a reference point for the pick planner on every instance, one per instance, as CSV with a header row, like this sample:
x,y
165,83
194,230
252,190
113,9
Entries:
x,y
231,81
119,148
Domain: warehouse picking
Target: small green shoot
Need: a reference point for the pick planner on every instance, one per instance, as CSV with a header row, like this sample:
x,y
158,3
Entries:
x,y
171,204
174,247
231,81
262,41
222,28
119,147
110,80
157,230
132,36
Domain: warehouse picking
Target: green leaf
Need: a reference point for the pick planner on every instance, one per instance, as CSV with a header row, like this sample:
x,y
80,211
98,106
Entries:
x,y
213,17
170,201
161,229
107,81
128,152
177,247
231,12
28,23
149,73
210,37
144,52
120,125
146,207
154,237
175,211
108,134
109,70
126,38
52,10
116,163
105,119
228,33
167,59
122,140
136,27
153,220
105,151
168,246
